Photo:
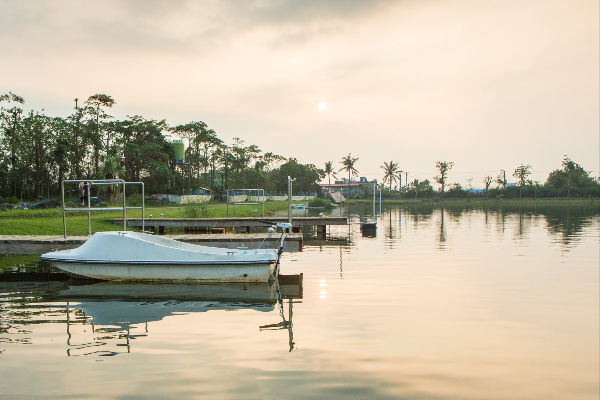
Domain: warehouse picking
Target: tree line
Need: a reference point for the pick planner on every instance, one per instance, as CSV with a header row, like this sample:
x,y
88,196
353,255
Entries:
x,y
38,152
570,180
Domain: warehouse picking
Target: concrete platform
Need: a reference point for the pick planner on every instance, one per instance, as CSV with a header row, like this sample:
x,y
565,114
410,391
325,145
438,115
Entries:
x,y
30,244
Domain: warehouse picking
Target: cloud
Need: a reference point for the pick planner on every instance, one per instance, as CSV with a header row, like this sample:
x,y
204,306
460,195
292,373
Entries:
x,y
141,25
430,79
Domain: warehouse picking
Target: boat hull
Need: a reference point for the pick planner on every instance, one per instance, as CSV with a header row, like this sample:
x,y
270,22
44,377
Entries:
x,y
209,273
133,256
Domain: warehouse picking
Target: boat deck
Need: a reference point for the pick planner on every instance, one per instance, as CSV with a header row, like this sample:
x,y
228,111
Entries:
x,y
40,244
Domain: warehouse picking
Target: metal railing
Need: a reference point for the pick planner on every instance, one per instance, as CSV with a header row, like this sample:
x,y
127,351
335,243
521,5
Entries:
x,y
89,209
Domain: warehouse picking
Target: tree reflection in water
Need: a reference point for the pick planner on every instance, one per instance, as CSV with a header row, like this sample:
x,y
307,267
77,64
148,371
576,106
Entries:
x,y
564,221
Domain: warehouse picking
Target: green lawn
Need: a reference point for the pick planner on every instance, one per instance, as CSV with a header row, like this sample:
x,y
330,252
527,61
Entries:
x,y
50,222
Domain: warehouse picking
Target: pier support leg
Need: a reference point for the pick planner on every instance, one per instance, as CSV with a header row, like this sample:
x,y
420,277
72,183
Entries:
x,y
321,232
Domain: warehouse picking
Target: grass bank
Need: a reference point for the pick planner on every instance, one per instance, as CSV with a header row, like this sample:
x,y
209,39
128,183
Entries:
x,y
50,221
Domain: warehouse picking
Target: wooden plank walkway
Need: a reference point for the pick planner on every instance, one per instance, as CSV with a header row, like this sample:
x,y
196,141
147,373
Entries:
x,y
232,222
40,244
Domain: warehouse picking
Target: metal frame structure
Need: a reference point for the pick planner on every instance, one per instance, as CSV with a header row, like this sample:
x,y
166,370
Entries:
x,y
89,209
260,194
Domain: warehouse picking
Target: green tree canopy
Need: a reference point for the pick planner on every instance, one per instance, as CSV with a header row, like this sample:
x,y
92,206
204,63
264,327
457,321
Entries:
x,y
572,179
11,139
307,177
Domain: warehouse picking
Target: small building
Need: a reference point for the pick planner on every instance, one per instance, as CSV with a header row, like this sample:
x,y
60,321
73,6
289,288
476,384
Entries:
x,y
355,188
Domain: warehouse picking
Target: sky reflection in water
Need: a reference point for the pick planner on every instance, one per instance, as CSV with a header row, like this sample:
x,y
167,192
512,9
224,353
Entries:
x,y
452,304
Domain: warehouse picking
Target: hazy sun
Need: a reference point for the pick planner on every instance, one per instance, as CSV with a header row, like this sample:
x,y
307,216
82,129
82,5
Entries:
x,y
322,106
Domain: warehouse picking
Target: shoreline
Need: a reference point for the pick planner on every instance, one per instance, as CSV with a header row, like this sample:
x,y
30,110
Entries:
x,y
49,221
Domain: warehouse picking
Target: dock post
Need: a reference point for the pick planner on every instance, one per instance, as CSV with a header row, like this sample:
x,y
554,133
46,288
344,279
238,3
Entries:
x,y
290,180
62,194
321,232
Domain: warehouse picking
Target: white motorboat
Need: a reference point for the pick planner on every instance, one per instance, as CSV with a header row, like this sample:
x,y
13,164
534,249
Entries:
x,y
133,256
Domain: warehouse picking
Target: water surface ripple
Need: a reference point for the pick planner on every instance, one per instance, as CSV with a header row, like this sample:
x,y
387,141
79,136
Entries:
x,y
442,304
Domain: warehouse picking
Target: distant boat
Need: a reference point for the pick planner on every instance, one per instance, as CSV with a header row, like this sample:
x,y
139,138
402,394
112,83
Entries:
x,y
300,206
133,256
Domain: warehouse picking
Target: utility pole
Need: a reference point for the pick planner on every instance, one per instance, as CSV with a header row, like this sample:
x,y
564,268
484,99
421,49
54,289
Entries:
x,y
568,177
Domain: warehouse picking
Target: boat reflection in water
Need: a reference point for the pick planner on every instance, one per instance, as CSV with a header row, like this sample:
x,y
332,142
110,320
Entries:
x,y
103,318
124,304
112,309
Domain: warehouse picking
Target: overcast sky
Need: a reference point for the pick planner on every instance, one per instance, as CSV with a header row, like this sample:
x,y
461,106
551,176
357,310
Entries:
x,y
488,85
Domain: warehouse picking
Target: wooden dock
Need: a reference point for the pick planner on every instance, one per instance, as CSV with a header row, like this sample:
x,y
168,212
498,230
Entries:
x,y
243,225
232,222
30,244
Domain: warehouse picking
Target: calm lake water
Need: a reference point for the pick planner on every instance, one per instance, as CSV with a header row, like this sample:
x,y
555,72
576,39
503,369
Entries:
x,y
438,305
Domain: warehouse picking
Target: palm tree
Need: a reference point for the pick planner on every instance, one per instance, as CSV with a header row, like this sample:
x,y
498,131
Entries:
x,y
348,165
391,173
329,171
